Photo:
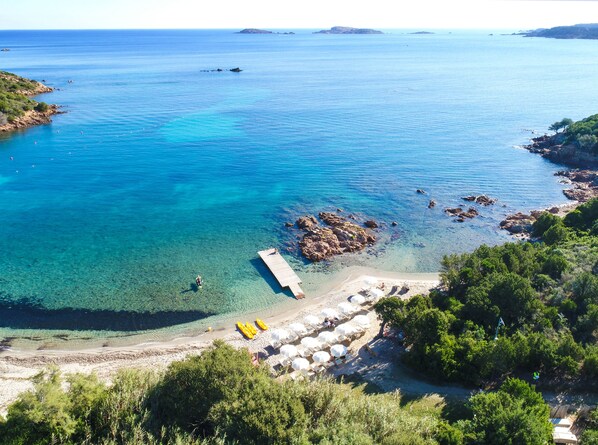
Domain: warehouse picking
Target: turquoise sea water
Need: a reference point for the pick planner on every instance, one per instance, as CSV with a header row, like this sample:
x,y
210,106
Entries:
x,y
162,169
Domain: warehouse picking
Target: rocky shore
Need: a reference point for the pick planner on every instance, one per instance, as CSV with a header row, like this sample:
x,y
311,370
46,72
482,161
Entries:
x,y
335,236
583,178
30,119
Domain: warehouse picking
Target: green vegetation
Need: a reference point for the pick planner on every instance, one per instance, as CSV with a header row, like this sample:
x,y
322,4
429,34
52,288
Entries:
x,y
583,133
514,309
216,398
13,97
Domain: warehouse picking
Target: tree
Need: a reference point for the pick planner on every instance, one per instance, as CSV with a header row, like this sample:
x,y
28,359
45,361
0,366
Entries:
x,y
192,386
544,222
562,124
514,415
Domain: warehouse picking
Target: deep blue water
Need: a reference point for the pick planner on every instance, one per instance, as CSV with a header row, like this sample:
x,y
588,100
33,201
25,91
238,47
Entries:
x,y
161,170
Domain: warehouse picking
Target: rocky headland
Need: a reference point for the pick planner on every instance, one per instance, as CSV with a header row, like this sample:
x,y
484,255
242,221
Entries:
x,y
348,30
579,31
333,235
23,111
582,176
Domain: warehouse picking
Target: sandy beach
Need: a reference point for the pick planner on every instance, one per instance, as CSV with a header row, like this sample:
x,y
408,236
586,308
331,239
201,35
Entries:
x,y
18,366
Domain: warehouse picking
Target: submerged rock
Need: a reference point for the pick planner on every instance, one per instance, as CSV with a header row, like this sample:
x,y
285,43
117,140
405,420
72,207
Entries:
x,y
371,224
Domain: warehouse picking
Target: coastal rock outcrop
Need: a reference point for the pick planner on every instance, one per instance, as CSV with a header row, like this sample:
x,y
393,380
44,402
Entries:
x,y
30,118
518,223
337,237
371,224
480,199
307,222
460,214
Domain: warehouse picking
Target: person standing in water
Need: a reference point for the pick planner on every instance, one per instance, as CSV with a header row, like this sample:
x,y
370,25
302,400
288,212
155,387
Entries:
x,y
198,281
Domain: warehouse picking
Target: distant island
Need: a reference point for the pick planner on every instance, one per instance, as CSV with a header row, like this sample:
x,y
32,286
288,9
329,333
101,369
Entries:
x,y
348,30
261,31
17,109
421,32
580,31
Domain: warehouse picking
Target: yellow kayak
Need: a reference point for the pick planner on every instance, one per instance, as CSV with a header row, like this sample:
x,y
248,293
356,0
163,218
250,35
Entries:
x,y
244,330
261,324
251,329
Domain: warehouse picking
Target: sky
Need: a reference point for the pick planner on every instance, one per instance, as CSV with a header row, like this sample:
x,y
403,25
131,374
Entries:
x,y
294,14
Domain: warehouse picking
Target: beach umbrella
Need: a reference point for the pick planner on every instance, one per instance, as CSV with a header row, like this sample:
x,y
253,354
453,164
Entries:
x,y
347,308
311,343
321,357
370,281
376,293
279,335
312,320
300,364
357,299
338,350
329,313
362,320
289,351
327,337
298,328
346,329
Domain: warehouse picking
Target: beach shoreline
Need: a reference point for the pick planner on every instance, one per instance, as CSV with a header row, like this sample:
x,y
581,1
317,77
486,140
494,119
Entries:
x,y
17,366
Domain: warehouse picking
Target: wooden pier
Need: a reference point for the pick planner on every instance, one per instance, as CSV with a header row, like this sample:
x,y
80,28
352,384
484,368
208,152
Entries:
x,y
281,270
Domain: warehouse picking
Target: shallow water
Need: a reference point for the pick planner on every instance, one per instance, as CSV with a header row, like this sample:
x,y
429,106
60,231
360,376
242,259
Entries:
x,y
161,170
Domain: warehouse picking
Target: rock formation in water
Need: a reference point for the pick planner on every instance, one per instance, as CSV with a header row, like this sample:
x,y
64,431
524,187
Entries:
x,y
480,199
335,237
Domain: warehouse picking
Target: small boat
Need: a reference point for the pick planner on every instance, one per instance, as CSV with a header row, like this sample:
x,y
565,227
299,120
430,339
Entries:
x,y
251,328
244,330
260,323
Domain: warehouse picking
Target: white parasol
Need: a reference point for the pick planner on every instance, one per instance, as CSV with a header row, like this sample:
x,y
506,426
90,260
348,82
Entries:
x,y
298,328
357,299
362,320
311,343
327,337
312,320
338,350
347,308
289,351
329,313
321,357
300,364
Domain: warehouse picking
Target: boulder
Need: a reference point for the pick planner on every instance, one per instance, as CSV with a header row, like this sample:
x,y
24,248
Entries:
x,y
431,204
307,222
371,224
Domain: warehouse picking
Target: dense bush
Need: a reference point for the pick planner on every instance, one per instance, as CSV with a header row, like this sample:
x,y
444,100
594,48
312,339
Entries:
x,y
519,307
219,397
516,414
583,132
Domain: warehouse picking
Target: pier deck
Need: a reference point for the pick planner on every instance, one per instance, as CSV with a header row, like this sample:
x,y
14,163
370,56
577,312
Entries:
x,y
281,270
